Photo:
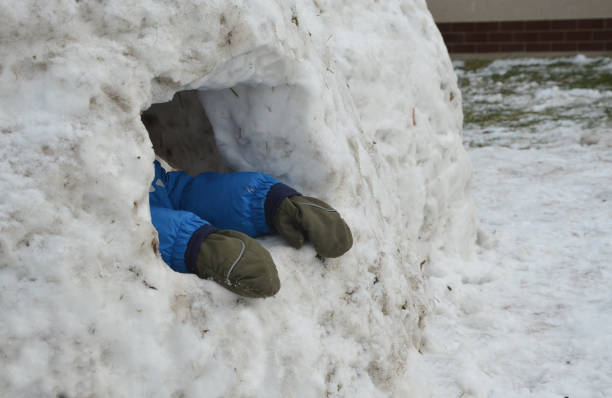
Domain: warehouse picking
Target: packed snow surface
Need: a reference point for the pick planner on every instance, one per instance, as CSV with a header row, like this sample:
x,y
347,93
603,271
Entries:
x,y
532,316
355,102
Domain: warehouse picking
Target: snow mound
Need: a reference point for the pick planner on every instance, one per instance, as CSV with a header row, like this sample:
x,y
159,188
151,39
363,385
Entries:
x,y
356,103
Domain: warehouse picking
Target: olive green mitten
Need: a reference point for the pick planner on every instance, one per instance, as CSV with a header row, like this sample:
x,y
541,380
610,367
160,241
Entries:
x,y
238,263
301,218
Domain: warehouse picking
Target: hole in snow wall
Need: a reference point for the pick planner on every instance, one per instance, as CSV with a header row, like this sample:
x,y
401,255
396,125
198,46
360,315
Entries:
x,y
182,135
243,128
259,127
268,114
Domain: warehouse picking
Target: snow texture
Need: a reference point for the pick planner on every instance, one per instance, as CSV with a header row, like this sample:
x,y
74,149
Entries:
x,y
354,102
531,315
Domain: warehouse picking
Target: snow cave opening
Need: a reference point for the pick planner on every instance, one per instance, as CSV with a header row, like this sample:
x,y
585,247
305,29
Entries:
x,y
182,135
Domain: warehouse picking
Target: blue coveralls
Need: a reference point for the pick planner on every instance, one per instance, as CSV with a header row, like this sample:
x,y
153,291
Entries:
x,y
186,209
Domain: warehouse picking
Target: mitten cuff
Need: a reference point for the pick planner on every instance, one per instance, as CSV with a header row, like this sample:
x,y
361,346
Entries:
x,y
275,196
193,247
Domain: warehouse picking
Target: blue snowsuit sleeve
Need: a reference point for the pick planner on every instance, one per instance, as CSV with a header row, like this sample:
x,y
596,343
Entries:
x,y
185,210
244,201
180,235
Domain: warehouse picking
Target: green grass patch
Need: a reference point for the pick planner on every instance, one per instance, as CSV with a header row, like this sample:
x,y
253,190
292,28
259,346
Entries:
x,y
501,98
472,65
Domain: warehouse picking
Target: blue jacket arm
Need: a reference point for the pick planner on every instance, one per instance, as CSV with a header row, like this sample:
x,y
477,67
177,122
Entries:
x,y
244,201
180,235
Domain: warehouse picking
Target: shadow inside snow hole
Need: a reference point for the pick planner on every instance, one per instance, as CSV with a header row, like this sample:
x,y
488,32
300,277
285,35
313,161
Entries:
x,y
182,134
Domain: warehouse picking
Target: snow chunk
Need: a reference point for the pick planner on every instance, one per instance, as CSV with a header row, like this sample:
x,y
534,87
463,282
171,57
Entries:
x,y
356,103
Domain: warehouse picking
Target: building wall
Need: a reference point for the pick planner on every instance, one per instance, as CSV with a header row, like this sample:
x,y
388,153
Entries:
x,y
517,10
566,36
545,26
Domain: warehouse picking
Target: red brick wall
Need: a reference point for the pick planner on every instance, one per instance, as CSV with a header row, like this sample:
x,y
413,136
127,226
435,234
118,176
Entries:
x,y
572,35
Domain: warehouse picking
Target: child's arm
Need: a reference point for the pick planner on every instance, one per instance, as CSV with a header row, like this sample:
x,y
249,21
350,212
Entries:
x,y
244,201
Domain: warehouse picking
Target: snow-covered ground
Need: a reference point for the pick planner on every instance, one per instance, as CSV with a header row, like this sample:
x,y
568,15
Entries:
x,y
532,316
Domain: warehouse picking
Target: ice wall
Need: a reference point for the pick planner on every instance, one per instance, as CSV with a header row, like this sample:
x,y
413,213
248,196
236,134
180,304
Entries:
x,y
355,102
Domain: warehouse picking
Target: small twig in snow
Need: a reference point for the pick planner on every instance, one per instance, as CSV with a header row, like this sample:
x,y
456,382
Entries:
x,y
147,284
